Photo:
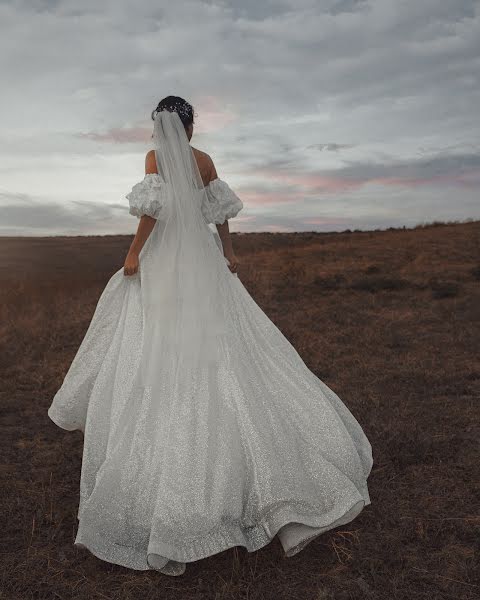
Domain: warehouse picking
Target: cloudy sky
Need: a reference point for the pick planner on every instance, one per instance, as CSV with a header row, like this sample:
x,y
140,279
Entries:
x,y
321,114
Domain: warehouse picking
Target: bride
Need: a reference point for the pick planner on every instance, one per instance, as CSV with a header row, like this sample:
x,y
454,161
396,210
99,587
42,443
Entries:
x,y
203,427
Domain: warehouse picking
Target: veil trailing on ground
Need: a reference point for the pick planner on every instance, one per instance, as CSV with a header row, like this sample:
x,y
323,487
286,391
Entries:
x,y
184,311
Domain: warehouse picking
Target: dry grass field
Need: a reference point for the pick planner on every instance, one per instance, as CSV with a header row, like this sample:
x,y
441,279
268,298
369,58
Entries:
x,y
388,319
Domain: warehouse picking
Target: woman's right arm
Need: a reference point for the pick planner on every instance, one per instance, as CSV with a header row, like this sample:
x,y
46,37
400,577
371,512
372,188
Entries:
x,y
224,232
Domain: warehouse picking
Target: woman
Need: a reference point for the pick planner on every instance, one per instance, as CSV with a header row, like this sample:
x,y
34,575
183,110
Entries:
x,y
229,202
203,427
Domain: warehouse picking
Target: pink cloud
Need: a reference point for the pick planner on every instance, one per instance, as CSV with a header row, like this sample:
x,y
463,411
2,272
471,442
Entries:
x,y
314,184
263,198
119,135
211,114
468,180
322,221
278,228
245,219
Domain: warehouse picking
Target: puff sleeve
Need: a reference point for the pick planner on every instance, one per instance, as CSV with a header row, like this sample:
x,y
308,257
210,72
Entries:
x,y
149,196
220,202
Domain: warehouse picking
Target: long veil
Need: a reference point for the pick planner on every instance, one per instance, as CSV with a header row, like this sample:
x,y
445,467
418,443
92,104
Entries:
x,y
183,269
232,439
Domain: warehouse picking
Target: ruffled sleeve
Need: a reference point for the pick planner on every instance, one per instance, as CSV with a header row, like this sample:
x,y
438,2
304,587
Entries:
x,y
149,196
220,203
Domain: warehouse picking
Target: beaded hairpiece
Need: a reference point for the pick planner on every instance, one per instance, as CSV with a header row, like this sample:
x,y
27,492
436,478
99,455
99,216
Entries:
x,y
182,110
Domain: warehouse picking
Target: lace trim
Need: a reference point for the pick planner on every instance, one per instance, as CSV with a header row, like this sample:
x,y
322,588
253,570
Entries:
x,y
148,197
221,202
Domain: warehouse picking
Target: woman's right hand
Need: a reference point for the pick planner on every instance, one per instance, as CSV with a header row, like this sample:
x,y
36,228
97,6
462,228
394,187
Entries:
x,y
233,261
131,264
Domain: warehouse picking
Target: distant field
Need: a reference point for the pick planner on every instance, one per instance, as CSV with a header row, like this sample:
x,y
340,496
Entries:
x,y
388,319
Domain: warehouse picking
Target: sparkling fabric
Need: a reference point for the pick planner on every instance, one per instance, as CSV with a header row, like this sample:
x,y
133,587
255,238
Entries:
x,y
221,454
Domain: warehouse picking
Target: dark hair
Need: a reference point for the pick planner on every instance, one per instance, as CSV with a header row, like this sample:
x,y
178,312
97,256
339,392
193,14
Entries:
x,y
178,105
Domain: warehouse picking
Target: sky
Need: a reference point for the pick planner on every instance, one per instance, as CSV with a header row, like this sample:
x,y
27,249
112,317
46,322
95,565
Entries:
x,y
322,115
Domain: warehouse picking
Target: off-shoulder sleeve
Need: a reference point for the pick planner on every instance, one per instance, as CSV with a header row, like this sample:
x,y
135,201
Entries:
x,y
149,196
220,202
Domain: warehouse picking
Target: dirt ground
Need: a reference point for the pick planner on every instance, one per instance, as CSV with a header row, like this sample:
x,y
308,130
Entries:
x,y
388,319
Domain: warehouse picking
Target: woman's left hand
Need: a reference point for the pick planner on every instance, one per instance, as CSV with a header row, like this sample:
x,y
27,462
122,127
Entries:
x,y
131,264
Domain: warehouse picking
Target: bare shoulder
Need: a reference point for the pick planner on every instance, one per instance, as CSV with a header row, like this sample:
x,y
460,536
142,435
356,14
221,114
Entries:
x,y
150,162
205,164
213,170
198,153
203,159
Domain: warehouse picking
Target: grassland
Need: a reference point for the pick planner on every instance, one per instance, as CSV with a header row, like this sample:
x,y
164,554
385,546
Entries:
x,y
388,319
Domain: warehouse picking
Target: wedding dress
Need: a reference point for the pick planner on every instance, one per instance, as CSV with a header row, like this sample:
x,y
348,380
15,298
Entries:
x,y
203,427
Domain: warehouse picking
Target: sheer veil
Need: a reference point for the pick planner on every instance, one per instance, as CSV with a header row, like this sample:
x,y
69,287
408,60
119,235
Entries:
x,y
184,276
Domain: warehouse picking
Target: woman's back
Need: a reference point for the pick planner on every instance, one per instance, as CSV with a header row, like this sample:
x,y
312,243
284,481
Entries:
x,y
205,166
204,162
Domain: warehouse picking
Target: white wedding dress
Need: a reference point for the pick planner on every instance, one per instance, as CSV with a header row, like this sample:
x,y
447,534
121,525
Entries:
x,y
219,445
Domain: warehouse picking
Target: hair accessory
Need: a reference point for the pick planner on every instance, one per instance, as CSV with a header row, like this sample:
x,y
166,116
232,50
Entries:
x,y
182,110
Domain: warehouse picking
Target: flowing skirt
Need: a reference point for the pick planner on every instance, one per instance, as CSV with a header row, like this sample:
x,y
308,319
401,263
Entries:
x,y
231,453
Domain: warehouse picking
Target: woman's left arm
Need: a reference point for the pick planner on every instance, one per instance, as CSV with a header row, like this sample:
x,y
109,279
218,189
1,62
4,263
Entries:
x,y
144,229
224,234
